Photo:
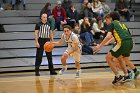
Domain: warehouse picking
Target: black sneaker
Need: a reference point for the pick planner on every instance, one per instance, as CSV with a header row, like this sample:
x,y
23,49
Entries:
x,y
119,79
53,73
126,79
37,73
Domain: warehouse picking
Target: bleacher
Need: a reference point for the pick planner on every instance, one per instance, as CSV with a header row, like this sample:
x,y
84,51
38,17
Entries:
x,y
17,46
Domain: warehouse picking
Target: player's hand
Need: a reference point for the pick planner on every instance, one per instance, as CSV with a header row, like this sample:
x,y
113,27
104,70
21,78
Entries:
x,y
97,48
37,45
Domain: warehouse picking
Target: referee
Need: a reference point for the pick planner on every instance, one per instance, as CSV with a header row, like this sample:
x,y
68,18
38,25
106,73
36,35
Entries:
x,y
42,35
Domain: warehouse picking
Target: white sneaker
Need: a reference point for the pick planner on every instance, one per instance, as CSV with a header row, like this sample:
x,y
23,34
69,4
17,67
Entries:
x,y
78,73
62,70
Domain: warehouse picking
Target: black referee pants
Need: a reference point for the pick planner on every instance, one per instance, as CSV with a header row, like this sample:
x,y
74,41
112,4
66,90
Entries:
x,y
39,55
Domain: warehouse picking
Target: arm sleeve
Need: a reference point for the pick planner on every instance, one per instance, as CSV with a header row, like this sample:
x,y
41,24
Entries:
x,y
37,27
75,39
110,27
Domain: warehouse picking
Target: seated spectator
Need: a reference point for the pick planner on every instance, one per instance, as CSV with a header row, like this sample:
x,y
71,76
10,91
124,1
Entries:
x,y
105,7
85,48
76,29
90,1
15,2
66,4
122,7
97,8
86,10
85,32
59,14
98,28
46,9
72,16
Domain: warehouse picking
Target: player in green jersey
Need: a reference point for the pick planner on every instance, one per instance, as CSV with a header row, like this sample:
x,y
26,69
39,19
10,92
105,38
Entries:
x,y
122,48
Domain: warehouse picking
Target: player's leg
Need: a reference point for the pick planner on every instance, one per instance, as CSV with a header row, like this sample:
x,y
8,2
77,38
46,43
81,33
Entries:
x,y
63,61
128,45
131,65
124,69
77,65
112,65
77,58
130,73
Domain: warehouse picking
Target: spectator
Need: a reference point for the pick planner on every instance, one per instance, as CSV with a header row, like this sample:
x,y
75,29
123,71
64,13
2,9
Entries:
x,y
85,32
122,7
46,9
66,4
86,10
85,48
90,1
59,14
98,28
105,7
72,16
15,2
97,8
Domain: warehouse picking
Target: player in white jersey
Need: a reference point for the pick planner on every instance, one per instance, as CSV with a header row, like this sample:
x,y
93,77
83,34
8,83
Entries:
x,y
74,49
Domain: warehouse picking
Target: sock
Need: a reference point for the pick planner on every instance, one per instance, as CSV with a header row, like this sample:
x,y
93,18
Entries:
x,y
78,70
117,75
65,67
135,70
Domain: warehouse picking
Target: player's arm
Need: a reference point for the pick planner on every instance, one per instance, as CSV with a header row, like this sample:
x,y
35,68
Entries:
x,y
112,40
106,39
60,42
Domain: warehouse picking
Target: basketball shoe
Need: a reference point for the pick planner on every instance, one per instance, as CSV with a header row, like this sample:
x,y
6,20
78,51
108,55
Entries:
x,y
78,73
62,70
117,79
137,74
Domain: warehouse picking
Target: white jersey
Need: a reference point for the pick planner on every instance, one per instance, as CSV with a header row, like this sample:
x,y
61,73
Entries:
x,y
71,46
72,40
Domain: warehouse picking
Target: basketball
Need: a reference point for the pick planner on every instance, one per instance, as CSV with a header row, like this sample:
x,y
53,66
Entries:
x,y
48,47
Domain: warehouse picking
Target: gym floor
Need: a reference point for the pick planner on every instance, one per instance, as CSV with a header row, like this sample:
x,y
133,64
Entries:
x,y
96,80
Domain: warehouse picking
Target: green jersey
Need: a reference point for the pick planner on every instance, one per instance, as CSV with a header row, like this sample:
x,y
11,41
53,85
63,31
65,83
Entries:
x,y
119,31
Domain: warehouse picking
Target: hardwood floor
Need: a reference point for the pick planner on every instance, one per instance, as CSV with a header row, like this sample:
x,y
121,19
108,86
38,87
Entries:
x,y
91,82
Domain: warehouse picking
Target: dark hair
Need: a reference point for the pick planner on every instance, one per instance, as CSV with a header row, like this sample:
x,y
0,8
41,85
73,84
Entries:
x,y
115,16
47,4
67,26
99,18
76,24
45,8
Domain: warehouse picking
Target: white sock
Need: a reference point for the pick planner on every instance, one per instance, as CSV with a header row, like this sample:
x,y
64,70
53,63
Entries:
x,y
118,75
79,70
65,67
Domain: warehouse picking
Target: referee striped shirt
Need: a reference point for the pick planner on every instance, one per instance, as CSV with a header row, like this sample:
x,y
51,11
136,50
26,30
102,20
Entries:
x,y
44,30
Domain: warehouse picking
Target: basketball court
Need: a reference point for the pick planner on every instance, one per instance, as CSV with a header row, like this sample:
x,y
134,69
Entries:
x,y
91,81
